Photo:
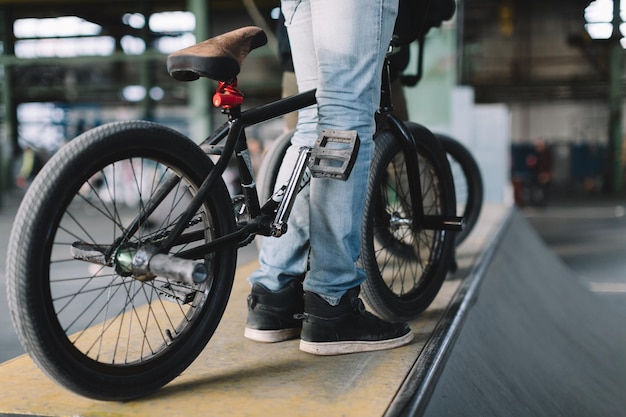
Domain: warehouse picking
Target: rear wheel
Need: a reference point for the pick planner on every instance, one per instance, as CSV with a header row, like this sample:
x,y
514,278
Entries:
x,y
95,328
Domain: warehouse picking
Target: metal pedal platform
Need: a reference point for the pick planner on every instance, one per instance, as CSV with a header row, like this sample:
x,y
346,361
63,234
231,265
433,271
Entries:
x,y
334,154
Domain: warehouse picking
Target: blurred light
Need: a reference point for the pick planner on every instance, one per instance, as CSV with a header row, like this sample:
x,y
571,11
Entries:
x,y
41,126
132,45
134,93
599,18
157,93
172,22
63,26
599,30
169,44
65,47
134,20
599,11
63,36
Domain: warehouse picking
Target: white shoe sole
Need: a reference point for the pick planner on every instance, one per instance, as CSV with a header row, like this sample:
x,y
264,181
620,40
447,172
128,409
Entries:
x,y
344,347
271,336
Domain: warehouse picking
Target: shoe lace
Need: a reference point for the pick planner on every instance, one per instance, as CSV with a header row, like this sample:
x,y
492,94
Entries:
x,y
359,307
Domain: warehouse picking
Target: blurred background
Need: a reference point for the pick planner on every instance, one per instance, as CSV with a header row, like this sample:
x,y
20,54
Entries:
x,y
533,88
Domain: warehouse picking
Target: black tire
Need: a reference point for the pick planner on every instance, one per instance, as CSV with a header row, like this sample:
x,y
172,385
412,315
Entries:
x,y
94,331
468,183
405,270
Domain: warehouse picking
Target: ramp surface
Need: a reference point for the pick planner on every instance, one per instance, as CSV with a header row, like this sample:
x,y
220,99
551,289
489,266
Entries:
x,y
535,342
237,377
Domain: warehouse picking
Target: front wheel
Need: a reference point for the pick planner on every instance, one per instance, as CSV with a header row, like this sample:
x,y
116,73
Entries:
x,y
405,265
94,327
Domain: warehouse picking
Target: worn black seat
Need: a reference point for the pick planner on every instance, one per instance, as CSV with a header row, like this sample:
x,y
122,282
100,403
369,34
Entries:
x,y
218,58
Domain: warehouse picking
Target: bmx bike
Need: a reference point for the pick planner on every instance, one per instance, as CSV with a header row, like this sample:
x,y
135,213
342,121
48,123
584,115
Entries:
x,y
115,290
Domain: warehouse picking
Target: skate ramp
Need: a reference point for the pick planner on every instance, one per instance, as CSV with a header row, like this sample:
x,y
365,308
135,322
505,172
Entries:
x,y
533,342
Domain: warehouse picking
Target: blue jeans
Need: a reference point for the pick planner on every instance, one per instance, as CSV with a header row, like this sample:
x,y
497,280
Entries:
x,y
338,48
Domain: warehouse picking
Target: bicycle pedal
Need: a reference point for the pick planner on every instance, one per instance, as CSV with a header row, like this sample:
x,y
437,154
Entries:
x,y
334,154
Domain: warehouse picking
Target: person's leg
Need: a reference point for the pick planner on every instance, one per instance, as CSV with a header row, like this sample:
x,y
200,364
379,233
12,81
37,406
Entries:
x,y
350,40
285,258
338,48
283,261
348,84
276,294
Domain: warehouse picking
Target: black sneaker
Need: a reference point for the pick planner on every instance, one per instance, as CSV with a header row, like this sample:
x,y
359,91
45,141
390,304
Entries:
x,y
274,316
347,327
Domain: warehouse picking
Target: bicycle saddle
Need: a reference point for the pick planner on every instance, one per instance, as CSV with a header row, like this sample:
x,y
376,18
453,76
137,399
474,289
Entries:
x,y
218,58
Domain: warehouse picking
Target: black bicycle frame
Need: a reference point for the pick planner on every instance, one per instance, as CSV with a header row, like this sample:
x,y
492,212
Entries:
x,y
232,134
235,143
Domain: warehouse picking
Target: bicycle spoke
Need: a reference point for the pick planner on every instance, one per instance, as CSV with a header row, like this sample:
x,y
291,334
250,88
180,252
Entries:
x,y
106,316
403,255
